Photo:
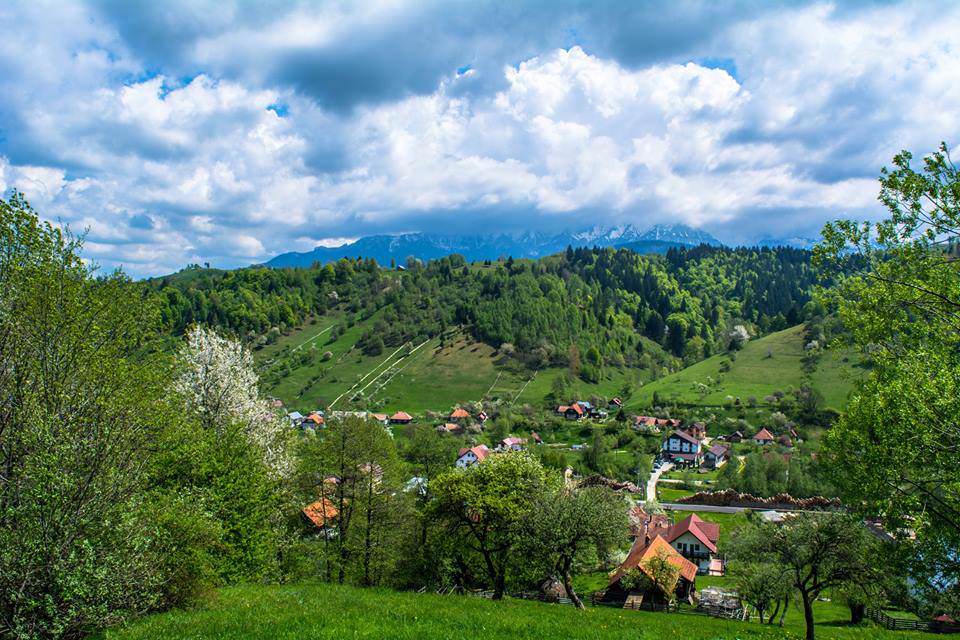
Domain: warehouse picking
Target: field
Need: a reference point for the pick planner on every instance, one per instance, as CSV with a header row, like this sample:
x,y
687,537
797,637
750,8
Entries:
x,y
415,378
435,376
763,366
326,611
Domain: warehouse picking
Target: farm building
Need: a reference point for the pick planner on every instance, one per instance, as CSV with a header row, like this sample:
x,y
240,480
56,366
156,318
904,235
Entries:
x,y
643,556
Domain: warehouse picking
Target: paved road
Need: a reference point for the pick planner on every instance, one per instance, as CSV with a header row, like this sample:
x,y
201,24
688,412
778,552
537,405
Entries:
x,y
674,506
654,477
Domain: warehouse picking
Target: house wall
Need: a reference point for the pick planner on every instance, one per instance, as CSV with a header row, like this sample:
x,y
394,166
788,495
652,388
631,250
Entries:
x,y
687,545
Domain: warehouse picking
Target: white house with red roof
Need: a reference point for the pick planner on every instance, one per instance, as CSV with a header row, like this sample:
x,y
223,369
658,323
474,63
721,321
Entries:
x,y
717,456
473,455
682,449
696,540
513,444
763,437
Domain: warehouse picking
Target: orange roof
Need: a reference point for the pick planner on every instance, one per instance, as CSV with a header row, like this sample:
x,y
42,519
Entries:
x,y
763,434
641,554
379,416
401,415
452,426
458,414
320,511
315,417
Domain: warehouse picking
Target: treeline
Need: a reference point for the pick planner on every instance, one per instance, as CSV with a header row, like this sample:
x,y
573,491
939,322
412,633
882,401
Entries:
x,y
592,307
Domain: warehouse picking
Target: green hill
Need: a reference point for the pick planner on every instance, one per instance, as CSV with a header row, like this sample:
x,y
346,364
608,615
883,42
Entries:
x,y
768,364
430,376
326,611
414,377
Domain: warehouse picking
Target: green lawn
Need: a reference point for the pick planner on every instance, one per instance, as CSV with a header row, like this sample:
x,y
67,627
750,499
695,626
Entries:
x,y
324,611
763,366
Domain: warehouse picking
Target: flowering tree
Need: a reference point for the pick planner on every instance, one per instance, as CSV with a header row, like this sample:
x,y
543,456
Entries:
x,y
218,382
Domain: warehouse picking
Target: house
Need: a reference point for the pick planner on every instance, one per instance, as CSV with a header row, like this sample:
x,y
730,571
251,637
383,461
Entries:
x,y
320,515
513,444
696,540
736,436
647,525
785,441
682,449
473,455
716,456
295,418
536,437
401,417
698,430
763,437
641,556
314,420
615,404
381,418
482,417
451,427
459,414
571,412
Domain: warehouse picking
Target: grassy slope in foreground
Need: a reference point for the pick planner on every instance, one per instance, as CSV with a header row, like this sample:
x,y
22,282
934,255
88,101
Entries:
x,y
755,374
326,611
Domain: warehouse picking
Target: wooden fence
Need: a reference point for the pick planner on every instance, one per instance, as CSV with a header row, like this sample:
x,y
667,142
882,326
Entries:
x,y
907,624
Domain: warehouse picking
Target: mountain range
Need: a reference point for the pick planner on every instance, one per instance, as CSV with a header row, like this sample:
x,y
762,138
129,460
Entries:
x,y
531,244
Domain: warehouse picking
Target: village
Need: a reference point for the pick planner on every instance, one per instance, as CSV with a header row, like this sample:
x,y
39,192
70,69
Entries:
x,y
683,535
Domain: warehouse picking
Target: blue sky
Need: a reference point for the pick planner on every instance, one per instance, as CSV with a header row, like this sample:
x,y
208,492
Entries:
x,y
228,132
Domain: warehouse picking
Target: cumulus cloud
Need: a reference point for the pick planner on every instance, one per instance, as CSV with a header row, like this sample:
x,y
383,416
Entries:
x,y
226,133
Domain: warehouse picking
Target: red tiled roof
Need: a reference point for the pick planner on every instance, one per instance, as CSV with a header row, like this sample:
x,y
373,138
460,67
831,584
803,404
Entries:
x,y
320,512
641,553
315,418
706,532
763,434
684,436
379,416
719,450
452,426
683,456
458,414
401,415
481,451
509,442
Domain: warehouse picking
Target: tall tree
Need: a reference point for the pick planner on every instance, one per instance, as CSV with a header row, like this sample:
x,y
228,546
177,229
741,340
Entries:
x,y
816,552
487,506
79,412
901,307
569,523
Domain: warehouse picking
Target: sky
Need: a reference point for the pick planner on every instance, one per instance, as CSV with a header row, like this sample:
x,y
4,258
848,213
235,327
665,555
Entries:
x,y
228,132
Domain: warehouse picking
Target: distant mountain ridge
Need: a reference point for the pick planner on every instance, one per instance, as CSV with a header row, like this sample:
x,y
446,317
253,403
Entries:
x,y
530,244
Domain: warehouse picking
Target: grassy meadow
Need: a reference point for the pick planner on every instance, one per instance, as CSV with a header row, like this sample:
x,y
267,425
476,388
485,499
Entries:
x,y
328,611
763,366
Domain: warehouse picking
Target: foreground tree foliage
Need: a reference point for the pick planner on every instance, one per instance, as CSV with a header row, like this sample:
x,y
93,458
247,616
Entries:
x,y
486,506
569,524
810,552
79,412
116,496
895,450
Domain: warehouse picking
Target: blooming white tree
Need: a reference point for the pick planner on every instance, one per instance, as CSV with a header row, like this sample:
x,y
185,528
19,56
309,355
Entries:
x,y
218,382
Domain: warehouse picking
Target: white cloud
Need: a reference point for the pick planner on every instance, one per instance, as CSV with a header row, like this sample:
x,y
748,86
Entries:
x,y
239,162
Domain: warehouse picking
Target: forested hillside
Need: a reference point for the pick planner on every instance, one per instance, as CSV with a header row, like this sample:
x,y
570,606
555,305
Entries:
x,y
598,302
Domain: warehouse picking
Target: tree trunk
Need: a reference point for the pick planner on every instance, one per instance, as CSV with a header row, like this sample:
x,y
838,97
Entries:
x,y
857,612
773,614
807,614
499,586
786,605
568,585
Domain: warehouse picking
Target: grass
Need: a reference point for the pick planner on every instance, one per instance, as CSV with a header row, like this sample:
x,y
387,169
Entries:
x,y
326,611
763,366
666,493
